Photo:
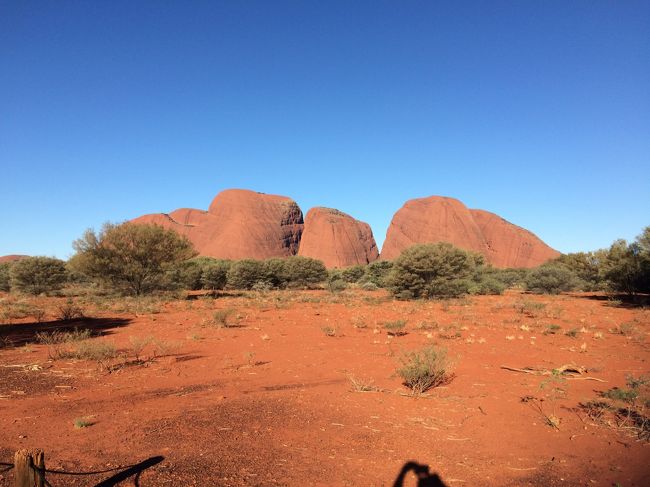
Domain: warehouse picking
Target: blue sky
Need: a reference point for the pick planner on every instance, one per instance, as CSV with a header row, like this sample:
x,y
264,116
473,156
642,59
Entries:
x,y
537,111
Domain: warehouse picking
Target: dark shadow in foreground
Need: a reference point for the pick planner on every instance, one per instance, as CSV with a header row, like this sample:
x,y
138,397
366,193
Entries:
x,y
424,476
20,334
136,470
619,300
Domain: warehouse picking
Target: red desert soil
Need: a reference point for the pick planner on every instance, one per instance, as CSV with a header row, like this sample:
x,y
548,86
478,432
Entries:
x,y
269,401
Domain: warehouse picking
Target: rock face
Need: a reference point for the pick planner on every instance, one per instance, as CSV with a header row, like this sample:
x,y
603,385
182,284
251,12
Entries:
x,y
337,239
11,258
239,224
509,245
442,219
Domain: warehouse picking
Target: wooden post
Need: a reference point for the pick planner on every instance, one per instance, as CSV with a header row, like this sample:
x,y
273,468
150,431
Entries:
x,y
26,463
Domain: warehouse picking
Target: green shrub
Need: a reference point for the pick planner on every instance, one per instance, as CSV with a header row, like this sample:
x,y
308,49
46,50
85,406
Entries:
x,y
189,273
353,274
304,272
275,273
244,274
215,275
549,279
5,276
487,284
36,275
423,369
377,272
433,271
134,258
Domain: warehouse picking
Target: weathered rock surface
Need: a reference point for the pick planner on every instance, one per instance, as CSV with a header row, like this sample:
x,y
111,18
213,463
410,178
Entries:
x,y
239,224
509,245
11,258
337,239
442,219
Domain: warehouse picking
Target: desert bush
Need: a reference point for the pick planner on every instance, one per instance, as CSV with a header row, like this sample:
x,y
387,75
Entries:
x,y
510,278
395,328
369,286
5,276
243,274
189,274
423,369
304,272
586,267
36,275
134,258
221,318
377,272
487,284
353,274
69,311
549,279
215,275
433,271
335,284
275,273
626,267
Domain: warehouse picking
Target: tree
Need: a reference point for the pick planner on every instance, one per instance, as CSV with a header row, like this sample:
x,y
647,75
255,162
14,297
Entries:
x,y
437,270
215,275
550,279
36,275
244,274
304,272
626,267
5,276
131,257
377,272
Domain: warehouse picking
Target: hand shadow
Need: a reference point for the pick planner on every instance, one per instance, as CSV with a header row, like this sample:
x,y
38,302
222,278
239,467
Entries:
x,y
425,478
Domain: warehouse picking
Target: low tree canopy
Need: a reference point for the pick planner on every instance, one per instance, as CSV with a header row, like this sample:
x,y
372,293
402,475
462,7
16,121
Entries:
x,y
134,258
36,275
437,270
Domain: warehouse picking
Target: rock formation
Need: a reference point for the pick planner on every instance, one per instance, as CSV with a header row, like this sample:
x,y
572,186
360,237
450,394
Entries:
x,y
337,239
11,258
238,224
442,219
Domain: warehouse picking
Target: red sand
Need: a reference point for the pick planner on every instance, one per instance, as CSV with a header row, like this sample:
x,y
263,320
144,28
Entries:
x,y
269,402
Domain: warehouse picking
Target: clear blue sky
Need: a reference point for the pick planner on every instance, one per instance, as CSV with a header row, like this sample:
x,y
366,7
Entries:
x,y
537,111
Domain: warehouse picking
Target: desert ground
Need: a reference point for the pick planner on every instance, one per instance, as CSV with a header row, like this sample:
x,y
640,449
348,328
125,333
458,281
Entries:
x,y
300,388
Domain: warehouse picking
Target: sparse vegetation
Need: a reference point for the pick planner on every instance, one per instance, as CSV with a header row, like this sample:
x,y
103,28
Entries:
x,y
37,275
432,271
133,258
423,369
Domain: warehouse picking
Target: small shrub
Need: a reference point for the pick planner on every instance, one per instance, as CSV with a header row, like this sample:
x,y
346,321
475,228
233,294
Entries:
x,y
552,329
329,331
573,333
243,274
369,286
550,280
433,271
304,272
353,274
82,423
423,369
69,311
37,275
377,272
215,275
395,328
5,276
362,385
221,318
